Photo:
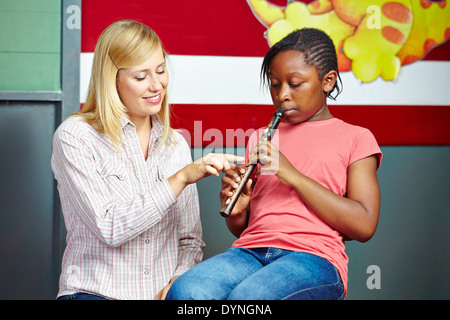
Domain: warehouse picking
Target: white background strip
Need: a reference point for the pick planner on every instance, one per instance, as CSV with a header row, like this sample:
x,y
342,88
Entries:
x,y
236,80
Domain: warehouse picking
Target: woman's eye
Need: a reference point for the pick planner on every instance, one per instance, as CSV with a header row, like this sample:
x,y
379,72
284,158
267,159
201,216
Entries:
x,y
274,85
295,85
140,78
161,71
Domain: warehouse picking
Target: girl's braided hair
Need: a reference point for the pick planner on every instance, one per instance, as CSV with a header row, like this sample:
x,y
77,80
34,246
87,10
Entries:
x,y
318,50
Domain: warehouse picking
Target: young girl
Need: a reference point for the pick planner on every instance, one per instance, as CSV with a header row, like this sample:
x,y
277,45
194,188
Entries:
x,y
126,179
322,189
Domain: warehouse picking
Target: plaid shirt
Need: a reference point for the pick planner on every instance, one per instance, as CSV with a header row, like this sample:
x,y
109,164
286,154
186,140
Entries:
x,y
127,234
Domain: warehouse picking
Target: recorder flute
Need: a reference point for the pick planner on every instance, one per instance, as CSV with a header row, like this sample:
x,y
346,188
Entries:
x,y
266,136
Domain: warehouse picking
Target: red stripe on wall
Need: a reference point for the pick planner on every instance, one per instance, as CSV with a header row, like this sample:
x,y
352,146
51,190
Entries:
x,y
439,53
222,28
229,125
217,28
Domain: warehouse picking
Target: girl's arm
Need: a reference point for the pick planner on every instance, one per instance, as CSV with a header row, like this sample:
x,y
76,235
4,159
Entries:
x,y
356,215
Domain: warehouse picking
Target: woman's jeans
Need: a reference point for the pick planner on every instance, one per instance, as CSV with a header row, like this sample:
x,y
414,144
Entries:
x,y
259,274
81,296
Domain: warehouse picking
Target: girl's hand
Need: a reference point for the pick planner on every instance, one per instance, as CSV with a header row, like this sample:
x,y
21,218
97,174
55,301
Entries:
x,y
230,182
237,221
211,164
272,160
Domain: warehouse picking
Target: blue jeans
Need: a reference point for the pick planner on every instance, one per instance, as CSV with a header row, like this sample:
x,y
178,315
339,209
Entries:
x,y
259,274
81,296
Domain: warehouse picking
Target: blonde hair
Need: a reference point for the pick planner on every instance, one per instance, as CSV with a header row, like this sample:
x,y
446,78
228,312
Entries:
x,y
124,44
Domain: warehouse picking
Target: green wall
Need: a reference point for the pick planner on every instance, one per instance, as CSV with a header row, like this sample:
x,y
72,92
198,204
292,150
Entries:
x,y
37,90
30,45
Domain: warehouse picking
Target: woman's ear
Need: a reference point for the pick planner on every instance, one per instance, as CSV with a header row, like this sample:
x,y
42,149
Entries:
x,y
329,80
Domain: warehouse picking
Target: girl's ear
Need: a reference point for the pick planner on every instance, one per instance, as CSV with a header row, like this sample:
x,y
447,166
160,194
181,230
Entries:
x,y
329,80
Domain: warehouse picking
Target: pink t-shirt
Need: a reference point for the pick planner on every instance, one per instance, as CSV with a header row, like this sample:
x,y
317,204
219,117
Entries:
x,y
322,151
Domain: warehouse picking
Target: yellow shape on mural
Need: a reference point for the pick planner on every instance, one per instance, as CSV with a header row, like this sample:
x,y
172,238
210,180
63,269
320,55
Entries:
x,y
373,38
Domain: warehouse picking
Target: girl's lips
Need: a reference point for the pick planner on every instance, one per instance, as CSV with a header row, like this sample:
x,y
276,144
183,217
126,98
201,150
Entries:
x,y
154,99
288,111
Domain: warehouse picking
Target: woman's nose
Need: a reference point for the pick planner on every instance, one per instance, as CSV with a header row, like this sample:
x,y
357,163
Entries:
x,y
154,84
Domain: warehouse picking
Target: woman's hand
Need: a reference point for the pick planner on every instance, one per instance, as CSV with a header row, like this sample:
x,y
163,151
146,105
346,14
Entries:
x,y
163,293
211,164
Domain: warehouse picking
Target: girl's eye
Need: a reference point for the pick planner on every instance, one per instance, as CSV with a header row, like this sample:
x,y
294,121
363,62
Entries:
x,y
295,85
274,85
161,71
140,78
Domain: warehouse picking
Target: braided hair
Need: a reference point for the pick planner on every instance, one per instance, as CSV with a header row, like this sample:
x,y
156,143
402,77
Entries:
x,y
318,50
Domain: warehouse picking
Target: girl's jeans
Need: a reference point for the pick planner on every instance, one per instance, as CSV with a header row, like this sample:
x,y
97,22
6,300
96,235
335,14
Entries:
x,y
259,274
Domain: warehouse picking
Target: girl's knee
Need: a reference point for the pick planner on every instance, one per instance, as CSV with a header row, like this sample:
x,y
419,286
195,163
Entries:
x,y
324,292
188,288
180,289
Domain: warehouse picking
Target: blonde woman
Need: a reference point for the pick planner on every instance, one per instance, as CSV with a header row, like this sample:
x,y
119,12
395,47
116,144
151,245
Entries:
x,y
126,179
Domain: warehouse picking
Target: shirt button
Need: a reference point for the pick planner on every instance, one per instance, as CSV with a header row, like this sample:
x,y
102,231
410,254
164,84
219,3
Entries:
x,y
147,241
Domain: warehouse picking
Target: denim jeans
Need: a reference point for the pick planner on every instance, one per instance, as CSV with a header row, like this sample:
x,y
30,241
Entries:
x,y
81,296
259,274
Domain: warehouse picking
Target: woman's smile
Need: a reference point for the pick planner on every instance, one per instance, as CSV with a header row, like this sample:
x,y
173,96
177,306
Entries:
x,y
153,99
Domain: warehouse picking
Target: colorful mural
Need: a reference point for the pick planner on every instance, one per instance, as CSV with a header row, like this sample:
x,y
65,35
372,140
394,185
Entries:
x,y
216,49
372,37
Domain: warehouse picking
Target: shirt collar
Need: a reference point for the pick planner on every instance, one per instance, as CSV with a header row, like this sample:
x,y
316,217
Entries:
x,y
124,121
157,126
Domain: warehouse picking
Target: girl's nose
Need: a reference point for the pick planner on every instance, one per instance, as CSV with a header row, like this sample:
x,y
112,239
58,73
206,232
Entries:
x,y
283,94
